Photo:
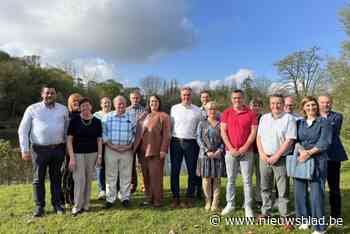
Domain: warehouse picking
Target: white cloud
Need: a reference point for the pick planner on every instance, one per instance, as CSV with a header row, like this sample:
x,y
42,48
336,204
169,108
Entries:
x,y
236,78
95,69
115,30
241,75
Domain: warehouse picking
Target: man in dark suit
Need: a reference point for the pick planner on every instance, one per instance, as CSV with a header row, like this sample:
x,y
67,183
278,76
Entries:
x,y
336,154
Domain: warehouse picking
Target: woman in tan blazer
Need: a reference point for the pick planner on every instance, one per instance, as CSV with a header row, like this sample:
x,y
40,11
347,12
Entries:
x,y
152,141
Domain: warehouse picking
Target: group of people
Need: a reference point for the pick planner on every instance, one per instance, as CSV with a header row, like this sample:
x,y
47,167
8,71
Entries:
x,y
239,140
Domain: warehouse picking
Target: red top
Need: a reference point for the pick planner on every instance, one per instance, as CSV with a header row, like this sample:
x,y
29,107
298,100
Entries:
x,y
239,125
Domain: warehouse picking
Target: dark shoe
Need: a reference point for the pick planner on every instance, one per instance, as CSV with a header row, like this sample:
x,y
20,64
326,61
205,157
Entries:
x,y
126,203
175,203
38,212
59,210
183,204
108,205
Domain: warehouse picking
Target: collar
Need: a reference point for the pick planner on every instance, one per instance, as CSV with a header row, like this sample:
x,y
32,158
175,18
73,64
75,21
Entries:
x,y
317,120
120,116
244,110
278,116
46,106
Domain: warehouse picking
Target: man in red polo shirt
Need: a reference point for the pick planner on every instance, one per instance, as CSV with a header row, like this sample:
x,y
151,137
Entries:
x,y
238,131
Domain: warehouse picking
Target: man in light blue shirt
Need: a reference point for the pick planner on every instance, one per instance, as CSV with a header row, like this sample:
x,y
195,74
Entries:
x,y
119,129
42,136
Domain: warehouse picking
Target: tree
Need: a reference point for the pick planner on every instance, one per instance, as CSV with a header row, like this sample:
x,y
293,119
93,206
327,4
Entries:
x,y
15,87
339,71
303,72
4,56
151,84
109,88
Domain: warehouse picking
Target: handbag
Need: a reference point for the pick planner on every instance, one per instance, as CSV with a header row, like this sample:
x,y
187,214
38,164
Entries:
x,y
300,170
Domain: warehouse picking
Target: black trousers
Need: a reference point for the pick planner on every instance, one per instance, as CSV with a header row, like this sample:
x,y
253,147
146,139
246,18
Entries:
x,y
188,149
43,157
333,180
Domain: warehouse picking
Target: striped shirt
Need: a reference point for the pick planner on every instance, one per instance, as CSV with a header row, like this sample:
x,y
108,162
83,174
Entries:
x,y
119,129
136,110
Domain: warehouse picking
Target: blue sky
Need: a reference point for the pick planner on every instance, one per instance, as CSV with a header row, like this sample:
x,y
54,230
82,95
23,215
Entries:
x,y
248,34
189,40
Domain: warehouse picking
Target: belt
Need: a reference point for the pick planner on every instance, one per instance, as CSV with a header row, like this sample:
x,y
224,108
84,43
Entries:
x,y
54,146
182,139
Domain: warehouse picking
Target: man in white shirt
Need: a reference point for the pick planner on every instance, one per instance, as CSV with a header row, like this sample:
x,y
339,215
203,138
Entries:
x,y
42,136
185,118
276,134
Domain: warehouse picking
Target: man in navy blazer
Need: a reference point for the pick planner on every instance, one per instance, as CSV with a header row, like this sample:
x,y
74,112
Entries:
x,y
336,154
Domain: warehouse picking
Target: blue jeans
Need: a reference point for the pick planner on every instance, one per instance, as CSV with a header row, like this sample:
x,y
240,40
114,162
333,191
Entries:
x,y
101,174
317,195
188,148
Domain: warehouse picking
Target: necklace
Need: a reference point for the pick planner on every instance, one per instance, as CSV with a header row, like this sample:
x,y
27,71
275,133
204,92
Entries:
x,y
88,123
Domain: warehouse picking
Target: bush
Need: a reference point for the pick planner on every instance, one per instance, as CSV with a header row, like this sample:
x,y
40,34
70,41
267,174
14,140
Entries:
x,y
12,168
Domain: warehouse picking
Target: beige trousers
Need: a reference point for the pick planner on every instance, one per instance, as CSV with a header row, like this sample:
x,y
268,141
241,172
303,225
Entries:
x,y
118,164
82,176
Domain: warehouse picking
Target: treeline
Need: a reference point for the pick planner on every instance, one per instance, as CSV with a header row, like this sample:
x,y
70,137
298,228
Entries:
x,y
22,78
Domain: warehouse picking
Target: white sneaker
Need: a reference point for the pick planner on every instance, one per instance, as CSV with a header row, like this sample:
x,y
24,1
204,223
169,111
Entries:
x,y
249,212
317,232
228,209
303,226
101,195
75,211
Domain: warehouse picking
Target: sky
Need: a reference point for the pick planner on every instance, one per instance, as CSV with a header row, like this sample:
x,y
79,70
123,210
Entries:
x,y
193,41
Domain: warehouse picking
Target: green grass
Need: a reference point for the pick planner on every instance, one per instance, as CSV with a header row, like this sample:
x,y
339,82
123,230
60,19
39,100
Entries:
x,y
16,206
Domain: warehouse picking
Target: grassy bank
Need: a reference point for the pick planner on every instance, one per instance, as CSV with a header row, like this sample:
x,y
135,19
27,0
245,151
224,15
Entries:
x,y
16,205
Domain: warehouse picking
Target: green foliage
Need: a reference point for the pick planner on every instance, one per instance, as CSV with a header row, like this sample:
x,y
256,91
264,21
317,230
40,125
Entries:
x,y
12,168
339,71
4,56
16,205
21,80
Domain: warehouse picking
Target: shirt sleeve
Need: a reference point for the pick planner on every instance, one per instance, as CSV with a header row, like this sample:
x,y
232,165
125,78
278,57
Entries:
x,y
24,130
291,132
325,139
71,128
223,117
66,123
200,141
254,119
166,135
133,129
105,129
99,128
260,126
338,123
